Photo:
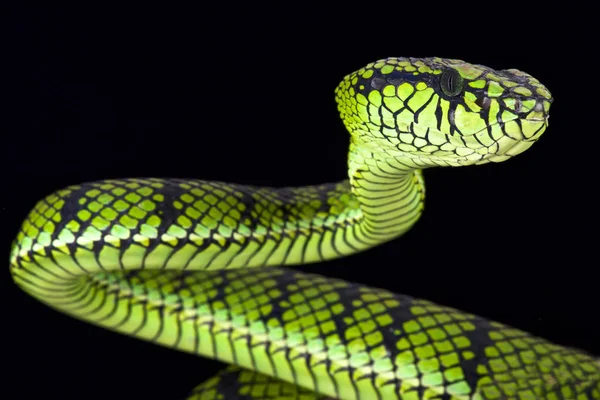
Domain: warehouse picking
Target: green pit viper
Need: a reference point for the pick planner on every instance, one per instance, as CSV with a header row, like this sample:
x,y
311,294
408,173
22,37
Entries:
x,y
172,261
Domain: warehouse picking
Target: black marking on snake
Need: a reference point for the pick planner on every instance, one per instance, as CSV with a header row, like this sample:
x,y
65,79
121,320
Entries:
x,y
409,108
367,230
179,336
48,250
161,325
124,243
91,287
128,299
396,77
335,228
142,303
484,102
387,196
228,332
520,124
242,247
478,140
171,191
224,247
347,232
106,293
438,114
485,115
68,208
287,352
462,140
209,325
73,247
543,126
288,251
487,131
247,336
380,112
408,167
378,182
499,116
394,217
61,293
387,176
378,81
321,237
374,190
24,279
195,330
278,242
33,260
241,250
387,204
36,292
369,112
257,249
398,111
388,138
479,340
385,122
62,285
71,208
263,344
420,109
405,105
429,140
397,192
129,305
405,221
305,245
68,211
98,290
266,222
181,242
450,117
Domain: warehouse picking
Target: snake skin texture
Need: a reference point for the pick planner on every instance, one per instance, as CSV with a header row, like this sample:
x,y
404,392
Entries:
x,y
196,265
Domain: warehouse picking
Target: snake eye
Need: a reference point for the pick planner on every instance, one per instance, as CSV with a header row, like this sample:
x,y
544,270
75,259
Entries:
x,y
451,83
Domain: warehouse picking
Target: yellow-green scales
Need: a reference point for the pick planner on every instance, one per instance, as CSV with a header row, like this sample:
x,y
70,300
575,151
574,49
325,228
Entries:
x,y
172,261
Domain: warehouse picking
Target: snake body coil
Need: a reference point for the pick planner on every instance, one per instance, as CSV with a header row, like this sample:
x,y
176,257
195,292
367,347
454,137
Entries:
x,y
169,260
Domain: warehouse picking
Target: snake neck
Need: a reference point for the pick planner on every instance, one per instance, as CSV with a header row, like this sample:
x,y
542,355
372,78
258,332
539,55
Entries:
x,y
390,191
208,225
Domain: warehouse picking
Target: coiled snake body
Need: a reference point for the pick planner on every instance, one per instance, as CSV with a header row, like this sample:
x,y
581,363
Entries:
x,y
169,261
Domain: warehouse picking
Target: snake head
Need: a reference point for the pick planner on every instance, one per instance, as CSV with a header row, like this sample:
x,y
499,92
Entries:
x,y
439,112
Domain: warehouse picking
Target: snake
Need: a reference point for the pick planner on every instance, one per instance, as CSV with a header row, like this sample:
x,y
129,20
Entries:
x,y
206,267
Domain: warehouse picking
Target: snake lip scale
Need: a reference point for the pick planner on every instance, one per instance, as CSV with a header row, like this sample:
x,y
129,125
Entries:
x,y
181,262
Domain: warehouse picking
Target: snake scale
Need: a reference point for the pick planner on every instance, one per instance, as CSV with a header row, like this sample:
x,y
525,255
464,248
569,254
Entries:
x,y
171,261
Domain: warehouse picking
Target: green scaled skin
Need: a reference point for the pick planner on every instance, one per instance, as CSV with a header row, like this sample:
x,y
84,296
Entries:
x,y
173,261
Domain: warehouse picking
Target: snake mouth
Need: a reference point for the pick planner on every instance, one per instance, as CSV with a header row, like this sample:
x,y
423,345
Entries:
x,y
496,142
516,136
519,122
537,119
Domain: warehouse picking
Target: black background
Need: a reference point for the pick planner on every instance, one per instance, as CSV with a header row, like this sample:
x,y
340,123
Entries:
x,y
245,94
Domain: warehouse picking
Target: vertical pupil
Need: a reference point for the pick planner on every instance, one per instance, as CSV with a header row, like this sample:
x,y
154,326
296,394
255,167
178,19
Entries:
x,y
451,83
